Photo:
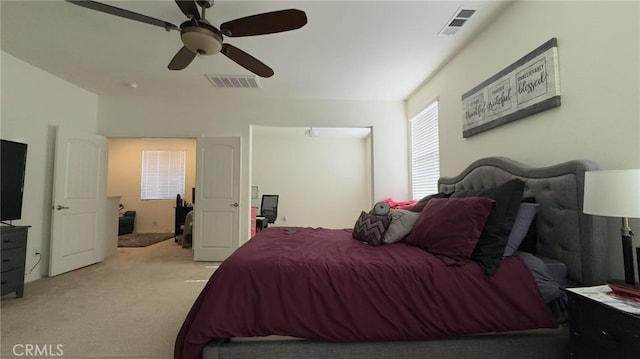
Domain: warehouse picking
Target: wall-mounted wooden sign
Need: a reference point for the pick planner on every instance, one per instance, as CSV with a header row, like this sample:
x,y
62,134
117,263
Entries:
x,y
528,86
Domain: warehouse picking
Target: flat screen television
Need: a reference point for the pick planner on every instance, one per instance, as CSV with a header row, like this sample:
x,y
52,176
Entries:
x,y
13,160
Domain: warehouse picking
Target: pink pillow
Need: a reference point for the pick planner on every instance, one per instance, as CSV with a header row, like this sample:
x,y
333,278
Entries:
x,y
451,227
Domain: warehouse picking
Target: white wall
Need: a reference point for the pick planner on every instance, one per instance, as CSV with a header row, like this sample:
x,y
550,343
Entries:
x,y
322,181
232,115
34,103
125,176
599,119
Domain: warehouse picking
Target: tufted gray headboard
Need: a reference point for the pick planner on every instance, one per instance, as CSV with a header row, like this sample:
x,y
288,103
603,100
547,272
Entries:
x,y
564,232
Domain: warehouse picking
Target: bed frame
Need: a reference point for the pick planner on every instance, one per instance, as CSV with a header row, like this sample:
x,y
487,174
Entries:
x,y
564,234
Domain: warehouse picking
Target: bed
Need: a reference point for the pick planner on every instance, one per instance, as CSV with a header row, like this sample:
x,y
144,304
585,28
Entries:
x,y
243,314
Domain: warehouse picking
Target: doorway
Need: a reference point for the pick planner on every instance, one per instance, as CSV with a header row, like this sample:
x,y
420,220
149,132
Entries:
x,y
323,175
124,178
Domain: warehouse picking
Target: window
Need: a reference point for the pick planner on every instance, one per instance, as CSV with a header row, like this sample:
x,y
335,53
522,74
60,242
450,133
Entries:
x,y
425,154
163,174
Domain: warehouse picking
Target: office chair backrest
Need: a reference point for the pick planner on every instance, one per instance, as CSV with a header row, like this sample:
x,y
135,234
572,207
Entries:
x,y
269,207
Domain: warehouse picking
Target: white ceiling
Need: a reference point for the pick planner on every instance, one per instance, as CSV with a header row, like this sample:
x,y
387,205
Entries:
x,y
350,50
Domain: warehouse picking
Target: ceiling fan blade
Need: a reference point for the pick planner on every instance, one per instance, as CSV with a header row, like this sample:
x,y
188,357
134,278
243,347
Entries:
x,y
266,23
182,59
247,61
112,10
189,8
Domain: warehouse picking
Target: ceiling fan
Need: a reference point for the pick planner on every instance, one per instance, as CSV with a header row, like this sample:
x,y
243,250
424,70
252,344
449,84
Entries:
x,y
201,38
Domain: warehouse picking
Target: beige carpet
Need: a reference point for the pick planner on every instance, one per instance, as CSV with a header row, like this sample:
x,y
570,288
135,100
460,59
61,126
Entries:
x,y
129,306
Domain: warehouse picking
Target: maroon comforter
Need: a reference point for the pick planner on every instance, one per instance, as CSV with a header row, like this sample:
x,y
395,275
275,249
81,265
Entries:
x,y
321,284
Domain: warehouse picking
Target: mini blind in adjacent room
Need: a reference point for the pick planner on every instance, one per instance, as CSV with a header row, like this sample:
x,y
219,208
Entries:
x,y
163,173
425,155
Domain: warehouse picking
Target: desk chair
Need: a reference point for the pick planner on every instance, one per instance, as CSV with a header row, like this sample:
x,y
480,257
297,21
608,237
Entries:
x,y
269,207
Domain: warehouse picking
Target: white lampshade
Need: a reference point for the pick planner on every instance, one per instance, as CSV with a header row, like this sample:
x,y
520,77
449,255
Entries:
x,y
614,193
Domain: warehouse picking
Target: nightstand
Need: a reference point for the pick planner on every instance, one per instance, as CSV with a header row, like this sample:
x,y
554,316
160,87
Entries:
x,y
599,330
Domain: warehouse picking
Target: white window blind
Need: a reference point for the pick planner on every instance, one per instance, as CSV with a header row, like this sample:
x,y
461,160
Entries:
x,y
425,155
163,174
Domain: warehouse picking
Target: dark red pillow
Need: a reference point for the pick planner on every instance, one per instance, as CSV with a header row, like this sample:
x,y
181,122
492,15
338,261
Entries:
x,y
450,227
495,234
418,207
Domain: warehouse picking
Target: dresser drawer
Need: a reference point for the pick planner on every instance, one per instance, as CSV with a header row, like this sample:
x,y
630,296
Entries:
x,y
12,281
13,238
12,258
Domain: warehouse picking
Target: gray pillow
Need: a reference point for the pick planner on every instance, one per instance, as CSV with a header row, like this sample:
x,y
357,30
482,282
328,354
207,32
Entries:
x,y
370,228
402,222
526,213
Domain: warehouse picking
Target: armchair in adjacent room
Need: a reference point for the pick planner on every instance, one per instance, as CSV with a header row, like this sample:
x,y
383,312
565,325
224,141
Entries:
x,y
126,222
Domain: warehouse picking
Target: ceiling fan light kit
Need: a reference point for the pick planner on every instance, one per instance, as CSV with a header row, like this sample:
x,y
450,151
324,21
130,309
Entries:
x,y
201,38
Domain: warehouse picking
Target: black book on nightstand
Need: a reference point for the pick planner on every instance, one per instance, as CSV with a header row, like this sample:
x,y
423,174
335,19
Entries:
x,y
620,287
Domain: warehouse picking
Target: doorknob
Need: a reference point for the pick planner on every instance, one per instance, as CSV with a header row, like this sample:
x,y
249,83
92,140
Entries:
x,y
59,207
234,204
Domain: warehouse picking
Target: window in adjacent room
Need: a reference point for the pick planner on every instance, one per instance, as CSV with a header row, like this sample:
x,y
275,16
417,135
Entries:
x,y
163,173
425,155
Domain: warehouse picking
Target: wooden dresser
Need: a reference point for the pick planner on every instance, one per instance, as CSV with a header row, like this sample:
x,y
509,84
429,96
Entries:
x,y
14,250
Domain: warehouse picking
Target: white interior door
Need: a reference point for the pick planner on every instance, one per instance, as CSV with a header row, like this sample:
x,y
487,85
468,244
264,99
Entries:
x,y
216,222
79,200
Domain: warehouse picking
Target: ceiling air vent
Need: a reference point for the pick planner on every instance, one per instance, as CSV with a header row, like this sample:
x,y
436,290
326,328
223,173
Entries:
x,y
234,81
458,19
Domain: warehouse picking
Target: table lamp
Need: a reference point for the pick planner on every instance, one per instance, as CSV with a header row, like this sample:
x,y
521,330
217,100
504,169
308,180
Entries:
x,y
616,193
